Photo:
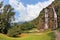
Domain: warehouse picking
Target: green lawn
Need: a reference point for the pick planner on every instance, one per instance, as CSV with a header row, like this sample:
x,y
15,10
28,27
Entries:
x,y
31,36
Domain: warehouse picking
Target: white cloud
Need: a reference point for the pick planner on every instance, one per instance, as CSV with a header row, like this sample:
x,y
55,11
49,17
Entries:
x,y
30,12
1,0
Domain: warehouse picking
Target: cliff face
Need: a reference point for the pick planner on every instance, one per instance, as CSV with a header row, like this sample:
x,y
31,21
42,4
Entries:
x,y
48,18
52,18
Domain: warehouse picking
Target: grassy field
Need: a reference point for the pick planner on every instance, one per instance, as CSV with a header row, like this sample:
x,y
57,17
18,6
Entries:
x,y
30,36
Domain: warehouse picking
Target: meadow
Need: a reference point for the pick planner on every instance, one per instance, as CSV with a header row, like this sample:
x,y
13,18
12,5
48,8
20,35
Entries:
x,y
30,36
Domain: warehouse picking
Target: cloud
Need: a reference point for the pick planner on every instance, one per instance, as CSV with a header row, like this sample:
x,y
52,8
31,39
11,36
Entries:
x,y
30,12
1,0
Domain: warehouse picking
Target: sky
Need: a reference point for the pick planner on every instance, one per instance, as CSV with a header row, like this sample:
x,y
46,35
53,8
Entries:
x,y
27,10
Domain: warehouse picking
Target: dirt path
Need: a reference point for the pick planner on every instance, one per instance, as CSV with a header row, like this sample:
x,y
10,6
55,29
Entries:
x,y
57,35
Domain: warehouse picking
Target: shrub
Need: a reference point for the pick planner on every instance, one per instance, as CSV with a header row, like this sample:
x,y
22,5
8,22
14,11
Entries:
x,y
14,31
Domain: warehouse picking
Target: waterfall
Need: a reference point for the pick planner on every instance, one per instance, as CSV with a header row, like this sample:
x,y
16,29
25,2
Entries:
x,y
46,18
55,17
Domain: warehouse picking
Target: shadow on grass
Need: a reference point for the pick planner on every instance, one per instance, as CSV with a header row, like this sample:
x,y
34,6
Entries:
x,y
51,35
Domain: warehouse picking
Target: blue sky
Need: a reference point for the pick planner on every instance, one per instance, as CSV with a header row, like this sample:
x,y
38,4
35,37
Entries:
x,y
27,10
31,1
27,1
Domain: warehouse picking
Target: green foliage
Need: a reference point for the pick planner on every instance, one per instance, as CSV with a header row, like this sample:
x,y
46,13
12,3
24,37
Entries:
x,y
18,29
6,16
27,26
58,13
14,31
39,21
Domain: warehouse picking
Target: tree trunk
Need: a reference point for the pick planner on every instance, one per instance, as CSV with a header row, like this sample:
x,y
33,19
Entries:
x,y
46,18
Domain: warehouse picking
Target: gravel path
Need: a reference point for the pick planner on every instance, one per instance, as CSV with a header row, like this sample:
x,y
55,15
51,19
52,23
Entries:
x,y
57,35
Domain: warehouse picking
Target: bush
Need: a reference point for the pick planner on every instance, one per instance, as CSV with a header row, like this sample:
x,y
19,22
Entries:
x,y
14,31
27,26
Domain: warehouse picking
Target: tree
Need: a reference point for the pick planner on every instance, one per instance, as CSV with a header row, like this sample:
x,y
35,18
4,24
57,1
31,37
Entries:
x,y
27,26
14,31
6,16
